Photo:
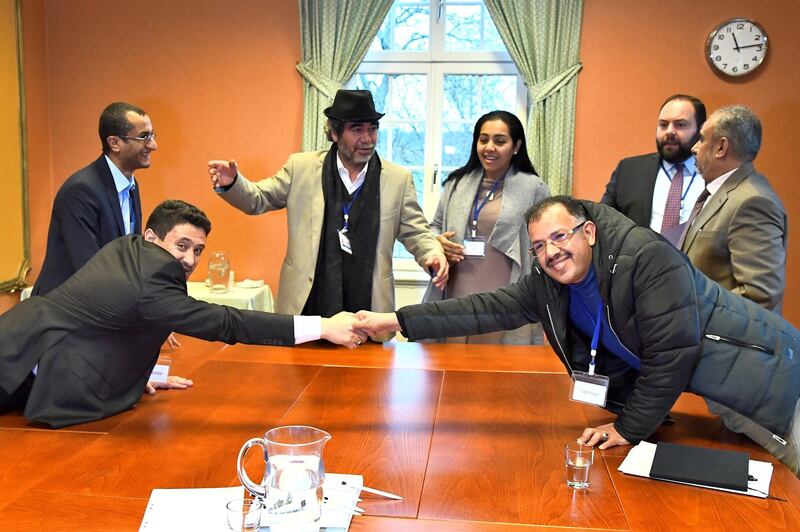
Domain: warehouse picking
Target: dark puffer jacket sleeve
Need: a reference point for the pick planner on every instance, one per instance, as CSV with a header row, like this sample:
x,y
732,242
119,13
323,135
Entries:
x,y
504,309
665,317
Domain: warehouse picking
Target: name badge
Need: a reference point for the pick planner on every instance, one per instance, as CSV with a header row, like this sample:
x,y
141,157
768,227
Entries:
x,y
475,246
161,370
344,242
591,389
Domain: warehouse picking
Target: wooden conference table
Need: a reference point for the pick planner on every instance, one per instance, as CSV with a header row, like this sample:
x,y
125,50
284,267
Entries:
x,y
471,437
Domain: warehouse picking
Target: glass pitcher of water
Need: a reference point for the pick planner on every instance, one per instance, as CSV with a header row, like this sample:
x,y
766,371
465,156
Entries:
x,y
292,487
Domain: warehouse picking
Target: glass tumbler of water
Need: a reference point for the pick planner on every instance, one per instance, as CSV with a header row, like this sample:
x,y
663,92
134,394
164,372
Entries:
x,y
578,459
244,515
218,268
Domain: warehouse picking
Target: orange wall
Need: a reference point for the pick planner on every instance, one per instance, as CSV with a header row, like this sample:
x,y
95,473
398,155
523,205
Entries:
x,y
38,144
636,53
218,80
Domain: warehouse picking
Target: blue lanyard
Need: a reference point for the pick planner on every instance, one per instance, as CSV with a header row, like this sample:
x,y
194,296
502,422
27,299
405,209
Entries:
x,y
683,196
346,208
476,209
596,336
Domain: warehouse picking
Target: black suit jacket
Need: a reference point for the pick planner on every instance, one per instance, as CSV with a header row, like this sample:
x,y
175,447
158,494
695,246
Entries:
x,y
630,190
86,216
97,337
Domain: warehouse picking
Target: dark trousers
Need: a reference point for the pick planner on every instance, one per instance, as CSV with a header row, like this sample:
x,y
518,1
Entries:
x,y
17,400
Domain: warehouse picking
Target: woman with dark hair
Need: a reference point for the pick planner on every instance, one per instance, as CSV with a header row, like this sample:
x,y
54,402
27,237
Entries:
x,y
480,218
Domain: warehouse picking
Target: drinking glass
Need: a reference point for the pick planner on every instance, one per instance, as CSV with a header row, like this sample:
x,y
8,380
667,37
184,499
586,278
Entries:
x,y
244,515
218,268
578,459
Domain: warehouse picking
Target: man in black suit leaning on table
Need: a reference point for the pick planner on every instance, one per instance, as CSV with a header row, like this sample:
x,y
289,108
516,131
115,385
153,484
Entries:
x,y
659,326
85,351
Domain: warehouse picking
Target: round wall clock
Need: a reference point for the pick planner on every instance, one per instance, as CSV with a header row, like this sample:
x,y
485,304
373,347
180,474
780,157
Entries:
x,y
736,47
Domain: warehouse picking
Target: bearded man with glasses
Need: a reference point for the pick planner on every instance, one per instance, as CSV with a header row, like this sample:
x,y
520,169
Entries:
x,y
100,202
635,324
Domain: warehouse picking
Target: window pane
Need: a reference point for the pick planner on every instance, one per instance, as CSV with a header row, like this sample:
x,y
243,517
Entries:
x,y
459,96
468,27
401,138
466,98
435,46
456,143
406,28
402,97
418,177
498,92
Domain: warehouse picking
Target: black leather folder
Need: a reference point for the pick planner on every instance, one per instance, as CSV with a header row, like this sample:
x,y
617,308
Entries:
x,y
700,465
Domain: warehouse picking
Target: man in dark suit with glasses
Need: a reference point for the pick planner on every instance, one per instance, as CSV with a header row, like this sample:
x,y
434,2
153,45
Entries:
x,y
100,202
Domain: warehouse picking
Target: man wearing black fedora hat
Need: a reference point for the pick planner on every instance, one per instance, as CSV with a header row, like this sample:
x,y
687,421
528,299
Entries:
x,y
345,208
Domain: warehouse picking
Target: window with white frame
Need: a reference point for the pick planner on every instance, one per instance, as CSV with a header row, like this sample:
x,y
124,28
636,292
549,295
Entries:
x,y
434,68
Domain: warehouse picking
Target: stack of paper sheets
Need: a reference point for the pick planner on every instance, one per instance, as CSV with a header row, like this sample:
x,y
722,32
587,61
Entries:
x,y
203,509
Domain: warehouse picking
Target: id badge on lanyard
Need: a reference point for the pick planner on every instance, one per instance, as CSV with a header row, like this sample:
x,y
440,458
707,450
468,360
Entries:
x,y
589,387
474,245
344,240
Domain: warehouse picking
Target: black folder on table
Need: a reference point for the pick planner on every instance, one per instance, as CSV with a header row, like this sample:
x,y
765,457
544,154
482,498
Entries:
x,y
700,465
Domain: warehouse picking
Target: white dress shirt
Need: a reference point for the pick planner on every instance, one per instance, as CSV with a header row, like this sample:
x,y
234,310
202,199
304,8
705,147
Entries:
x,y
693,185
307,329
715,185
125,188
350,185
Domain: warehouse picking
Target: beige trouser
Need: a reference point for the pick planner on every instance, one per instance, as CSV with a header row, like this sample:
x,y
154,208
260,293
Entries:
x,y
789,454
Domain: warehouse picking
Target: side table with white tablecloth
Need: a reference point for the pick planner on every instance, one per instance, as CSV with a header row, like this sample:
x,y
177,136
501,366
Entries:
x,y
259,298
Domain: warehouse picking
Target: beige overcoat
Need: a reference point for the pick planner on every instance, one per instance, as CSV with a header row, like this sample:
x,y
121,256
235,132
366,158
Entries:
x,y
297,187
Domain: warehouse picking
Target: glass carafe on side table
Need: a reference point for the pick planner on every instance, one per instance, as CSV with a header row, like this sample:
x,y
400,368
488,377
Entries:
x,y
218,268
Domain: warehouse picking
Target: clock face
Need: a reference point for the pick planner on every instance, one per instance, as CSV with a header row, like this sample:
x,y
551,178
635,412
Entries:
x,y
737,47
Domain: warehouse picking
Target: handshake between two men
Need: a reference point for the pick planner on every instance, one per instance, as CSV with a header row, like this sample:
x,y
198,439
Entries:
x,y
352,330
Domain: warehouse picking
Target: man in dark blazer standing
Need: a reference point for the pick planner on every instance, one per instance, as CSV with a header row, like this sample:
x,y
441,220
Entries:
x,y
86,350
640,186
100,202
738,237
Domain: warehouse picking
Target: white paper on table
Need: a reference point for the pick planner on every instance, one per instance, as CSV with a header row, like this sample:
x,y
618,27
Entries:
x,y
203,509
160,371
250,283
640,460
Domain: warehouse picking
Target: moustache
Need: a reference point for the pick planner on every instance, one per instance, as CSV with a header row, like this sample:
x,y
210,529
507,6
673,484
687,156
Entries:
x,y
558,256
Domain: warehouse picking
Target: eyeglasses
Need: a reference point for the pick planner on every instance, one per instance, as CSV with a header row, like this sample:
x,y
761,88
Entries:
x,y
144,138
557,239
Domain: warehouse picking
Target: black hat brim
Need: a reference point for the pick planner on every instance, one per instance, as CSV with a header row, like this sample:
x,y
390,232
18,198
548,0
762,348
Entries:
x,y
368,118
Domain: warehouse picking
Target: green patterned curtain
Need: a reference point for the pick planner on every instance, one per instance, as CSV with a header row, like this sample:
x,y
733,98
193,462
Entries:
x,y
543,38
336,35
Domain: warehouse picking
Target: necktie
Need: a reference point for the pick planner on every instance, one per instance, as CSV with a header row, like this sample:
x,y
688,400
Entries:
x,y
698,206
132,212
672,209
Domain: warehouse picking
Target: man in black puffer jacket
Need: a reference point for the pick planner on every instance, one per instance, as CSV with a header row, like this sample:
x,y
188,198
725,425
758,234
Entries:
x,y
664,327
